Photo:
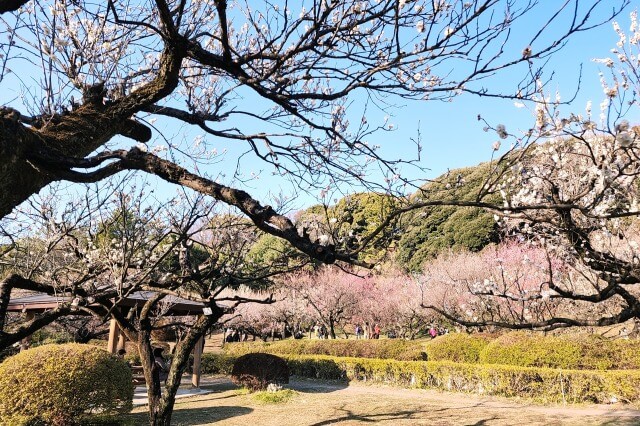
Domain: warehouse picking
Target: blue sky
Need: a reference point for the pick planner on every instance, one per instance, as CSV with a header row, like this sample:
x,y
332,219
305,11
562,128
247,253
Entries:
x,y
451,135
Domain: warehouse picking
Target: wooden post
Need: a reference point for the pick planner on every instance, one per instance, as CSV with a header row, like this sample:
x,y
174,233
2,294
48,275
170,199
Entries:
x,y
26,342
197,361
114,332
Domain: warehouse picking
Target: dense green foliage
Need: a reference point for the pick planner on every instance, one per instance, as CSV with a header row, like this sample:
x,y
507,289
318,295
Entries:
x,y
352,218
63,385
270,251
404,350
584,352
429,232
457,347
418,235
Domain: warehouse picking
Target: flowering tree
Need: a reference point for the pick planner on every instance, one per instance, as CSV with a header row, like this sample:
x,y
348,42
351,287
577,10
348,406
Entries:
x,y
398,305
570,186
331,295
109,70
286,313
504,284
97,251
275,80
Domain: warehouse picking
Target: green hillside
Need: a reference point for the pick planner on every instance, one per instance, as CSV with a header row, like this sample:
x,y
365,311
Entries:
x,y
429,232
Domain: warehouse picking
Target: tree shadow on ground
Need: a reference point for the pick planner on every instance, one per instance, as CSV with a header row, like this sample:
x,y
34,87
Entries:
x,y
368,418
620,421
306,385
196,416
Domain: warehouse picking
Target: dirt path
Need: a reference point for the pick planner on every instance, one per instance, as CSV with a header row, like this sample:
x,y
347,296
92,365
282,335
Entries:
x,y
320,403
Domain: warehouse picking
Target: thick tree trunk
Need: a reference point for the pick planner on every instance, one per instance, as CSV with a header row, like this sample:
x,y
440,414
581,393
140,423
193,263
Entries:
x,y
151,377
19,179
162,398
5,297
32,156
332,330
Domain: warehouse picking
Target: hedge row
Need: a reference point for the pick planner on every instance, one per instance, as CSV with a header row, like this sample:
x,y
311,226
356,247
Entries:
x,y
573,352
457,347
403,350
545,385
582,352
579,352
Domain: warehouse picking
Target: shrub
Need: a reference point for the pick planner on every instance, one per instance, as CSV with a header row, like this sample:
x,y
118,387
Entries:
x,y
398,349
256,371
47,336
457,347
63,385
582,351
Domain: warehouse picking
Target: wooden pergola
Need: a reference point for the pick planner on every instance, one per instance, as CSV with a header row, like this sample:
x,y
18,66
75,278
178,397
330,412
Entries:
x,y
176,306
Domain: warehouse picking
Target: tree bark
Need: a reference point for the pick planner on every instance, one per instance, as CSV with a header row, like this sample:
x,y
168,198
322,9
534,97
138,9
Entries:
x,y
11,5
34,156
332,330
162,398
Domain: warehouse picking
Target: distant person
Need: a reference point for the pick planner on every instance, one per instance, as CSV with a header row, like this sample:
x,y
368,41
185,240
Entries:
x,y
121,354
160,364
433,332
358,331
323,332
376,331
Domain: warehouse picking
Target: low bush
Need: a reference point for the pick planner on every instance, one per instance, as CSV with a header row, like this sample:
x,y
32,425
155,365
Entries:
x,y
457,347
404,350
63,385
256,371
541,384
581,351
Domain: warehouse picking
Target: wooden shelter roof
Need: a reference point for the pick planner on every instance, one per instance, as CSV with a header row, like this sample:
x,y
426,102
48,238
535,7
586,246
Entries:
x,y
44,302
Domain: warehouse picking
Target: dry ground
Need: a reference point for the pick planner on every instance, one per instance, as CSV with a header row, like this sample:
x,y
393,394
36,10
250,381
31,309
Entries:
x,y
321,403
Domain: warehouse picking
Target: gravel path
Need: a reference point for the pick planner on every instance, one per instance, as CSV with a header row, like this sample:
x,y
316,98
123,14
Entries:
x,y
320,403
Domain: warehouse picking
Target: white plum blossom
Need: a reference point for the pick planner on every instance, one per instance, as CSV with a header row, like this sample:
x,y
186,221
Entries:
x,y
622,126
625,139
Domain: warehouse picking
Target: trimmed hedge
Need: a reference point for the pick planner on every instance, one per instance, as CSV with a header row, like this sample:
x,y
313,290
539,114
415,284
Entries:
x,y
403,350
457,347
545,385
63,385
582,352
